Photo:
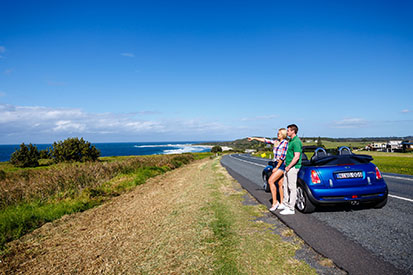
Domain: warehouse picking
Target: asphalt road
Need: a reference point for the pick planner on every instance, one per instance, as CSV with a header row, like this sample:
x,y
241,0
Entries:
x,y
358,239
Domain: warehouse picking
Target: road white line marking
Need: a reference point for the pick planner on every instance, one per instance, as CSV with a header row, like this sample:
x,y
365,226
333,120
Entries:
x,y
260,165
401,198
399,178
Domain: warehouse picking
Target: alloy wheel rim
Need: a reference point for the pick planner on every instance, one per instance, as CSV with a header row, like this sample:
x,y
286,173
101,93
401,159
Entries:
x,y
300,199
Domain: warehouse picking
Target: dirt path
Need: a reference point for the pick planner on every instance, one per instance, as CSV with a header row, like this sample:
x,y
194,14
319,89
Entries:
x,y
163,226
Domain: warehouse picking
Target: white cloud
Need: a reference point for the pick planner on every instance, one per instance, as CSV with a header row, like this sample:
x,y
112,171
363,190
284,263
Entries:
x,y
69,126
148,113
405,111
127,54
265,117
34,123
350,123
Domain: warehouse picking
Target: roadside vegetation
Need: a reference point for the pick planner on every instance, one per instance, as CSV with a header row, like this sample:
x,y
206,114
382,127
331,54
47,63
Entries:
x,y
242,243
187,221
30,197
69,150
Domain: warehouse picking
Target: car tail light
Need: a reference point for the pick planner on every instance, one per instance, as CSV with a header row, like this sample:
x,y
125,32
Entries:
x,y
314,177
378,174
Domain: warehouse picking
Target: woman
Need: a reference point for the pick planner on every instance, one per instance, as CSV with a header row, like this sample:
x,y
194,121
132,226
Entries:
x,y
280,150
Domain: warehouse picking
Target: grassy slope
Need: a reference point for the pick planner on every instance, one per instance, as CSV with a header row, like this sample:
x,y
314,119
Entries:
x,y
172,224
26,215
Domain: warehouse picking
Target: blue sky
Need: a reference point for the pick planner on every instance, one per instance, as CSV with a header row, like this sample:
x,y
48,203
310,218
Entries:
x,y
204,70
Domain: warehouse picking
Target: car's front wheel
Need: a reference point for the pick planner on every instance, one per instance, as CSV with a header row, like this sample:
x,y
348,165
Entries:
x,y
266,186
303,203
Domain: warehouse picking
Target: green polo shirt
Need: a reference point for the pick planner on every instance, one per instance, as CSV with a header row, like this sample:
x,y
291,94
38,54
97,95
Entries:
x,y
294,145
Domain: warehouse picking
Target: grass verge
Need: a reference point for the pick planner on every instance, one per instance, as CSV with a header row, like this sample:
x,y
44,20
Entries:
x,y
21,217
242,243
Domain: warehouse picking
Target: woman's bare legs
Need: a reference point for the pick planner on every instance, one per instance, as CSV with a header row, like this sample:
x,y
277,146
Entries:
x,y
280,188
271,181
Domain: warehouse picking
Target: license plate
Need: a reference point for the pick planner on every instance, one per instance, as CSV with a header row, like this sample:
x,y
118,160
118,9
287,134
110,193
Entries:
x,y
349,175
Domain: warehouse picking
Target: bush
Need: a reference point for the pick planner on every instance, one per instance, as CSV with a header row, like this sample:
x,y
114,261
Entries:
x,y
45,154
216,149
74,149
26,156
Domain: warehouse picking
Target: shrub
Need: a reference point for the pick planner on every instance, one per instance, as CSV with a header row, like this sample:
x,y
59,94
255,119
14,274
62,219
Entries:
x,y
26,156
45,154
74,149
216,149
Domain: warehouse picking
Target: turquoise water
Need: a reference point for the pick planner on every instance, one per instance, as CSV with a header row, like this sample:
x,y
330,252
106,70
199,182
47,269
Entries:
x,y
125,148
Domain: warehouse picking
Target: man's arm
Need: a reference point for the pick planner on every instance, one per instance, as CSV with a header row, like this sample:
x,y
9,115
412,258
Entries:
x,y
296,158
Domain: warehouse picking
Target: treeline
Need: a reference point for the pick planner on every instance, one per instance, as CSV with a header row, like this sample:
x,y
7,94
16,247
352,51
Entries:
x,y
239,144
362,139
242,144
69,150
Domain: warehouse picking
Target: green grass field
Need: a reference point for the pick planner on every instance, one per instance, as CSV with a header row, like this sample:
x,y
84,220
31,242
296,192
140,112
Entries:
x,y
333,145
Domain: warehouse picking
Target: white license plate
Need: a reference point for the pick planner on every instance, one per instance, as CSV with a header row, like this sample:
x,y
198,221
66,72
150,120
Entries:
x,y
349,175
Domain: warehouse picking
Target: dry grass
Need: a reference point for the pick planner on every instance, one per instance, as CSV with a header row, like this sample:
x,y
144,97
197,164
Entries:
x,y
326,262
70,179
188,221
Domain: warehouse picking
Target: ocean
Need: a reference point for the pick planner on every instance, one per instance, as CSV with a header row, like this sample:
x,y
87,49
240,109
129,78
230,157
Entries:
x,y
125,148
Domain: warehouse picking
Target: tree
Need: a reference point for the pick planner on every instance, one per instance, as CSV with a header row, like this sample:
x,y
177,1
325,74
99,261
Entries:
x,y
74,149
46,153
26,156
319,143
216,149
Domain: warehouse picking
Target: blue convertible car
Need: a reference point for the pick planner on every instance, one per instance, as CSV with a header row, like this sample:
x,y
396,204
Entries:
x,y
332,179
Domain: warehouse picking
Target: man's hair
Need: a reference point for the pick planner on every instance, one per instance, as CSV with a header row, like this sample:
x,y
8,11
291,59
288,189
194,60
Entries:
x,y
293,127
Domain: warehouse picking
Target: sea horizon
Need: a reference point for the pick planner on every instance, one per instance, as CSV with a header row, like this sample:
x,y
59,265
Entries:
x,y
108,149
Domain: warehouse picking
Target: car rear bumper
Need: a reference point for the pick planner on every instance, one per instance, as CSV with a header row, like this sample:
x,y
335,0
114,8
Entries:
x,y
344,195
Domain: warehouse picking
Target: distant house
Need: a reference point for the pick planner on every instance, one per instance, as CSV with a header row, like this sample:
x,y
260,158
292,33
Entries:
x,y
394,146
249,151
407,145
377,146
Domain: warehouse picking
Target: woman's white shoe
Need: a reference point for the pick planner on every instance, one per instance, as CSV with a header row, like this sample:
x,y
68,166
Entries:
x,y
274,207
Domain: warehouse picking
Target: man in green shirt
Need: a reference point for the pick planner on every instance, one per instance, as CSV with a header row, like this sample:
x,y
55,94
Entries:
x,y
293,164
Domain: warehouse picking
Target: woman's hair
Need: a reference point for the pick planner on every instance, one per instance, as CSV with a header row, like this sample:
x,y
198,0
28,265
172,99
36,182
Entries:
x,y
283,132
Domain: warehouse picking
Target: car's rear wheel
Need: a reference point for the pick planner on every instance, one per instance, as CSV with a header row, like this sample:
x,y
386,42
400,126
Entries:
x,y
303,204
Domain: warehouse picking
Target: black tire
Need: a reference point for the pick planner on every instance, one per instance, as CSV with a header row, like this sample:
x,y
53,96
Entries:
x,y
303,203
380,204
266,186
